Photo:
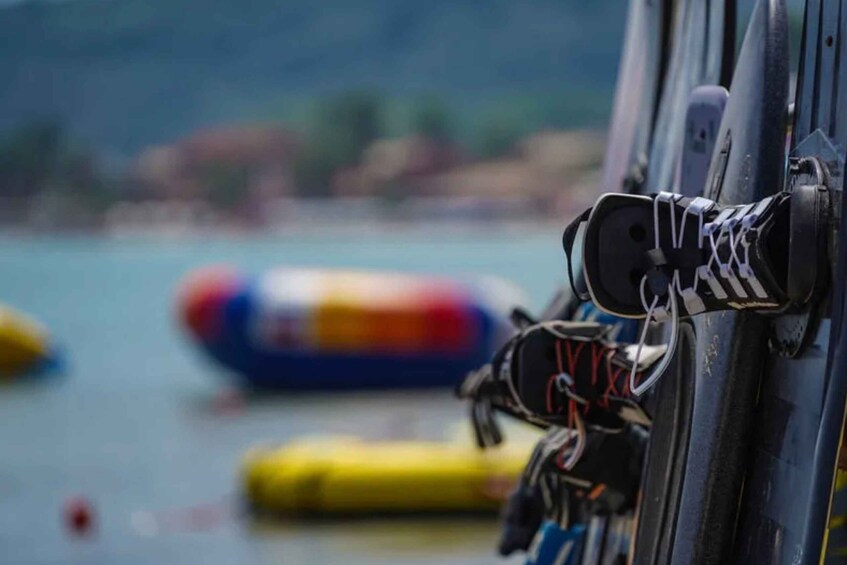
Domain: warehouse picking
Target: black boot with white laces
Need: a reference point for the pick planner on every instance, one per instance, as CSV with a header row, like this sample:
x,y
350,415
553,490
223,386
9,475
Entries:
x,y
665,257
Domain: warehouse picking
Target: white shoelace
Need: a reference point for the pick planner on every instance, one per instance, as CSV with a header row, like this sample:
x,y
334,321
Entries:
x,y
733,224
552,444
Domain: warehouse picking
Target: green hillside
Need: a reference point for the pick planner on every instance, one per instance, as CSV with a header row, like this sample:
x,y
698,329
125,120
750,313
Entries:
x,y
125,73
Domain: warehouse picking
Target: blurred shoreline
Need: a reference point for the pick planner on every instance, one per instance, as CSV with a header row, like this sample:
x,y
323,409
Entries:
x,y
284,216
261,179
444,229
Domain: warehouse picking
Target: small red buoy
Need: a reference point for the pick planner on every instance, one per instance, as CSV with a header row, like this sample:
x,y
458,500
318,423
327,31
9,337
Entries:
x,y
79,516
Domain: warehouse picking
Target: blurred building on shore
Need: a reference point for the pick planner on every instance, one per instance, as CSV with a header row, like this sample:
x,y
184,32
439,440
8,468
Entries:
x,y
547,172
223,163
397,168
245,178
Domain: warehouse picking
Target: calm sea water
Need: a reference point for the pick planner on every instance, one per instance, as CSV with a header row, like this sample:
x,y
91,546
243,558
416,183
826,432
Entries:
x,y
131,425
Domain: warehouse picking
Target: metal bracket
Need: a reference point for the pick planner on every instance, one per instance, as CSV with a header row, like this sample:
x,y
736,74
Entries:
x,y
790,334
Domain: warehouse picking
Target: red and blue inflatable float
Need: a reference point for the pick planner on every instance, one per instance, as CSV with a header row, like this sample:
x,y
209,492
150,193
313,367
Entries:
x,y
303,329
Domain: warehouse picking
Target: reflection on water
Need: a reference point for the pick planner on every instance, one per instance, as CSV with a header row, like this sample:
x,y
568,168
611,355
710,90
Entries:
x,y
390,539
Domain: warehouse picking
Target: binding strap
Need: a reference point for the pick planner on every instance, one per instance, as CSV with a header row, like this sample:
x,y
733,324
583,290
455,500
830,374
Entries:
x,y
568,241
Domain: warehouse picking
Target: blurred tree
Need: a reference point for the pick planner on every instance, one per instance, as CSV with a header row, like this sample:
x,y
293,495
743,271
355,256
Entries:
x,y
226,185
79,177
317,163
353,120
497,137
30,157
47,181
344,127
39,158
432,119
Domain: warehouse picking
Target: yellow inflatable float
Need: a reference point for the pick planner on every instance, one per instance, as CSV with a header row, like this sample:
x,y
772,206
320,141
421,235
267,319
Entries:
x,y
25,346
348,475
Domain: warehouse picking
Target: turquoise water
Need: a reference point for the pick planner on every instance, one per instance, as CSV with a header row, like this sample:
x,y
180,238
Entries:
x,y
132,423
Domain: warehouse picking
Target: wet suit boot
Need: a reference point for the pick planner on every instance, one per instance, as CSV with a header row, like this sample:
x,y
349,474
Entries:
x,y
559,373
664,255
667,257
522,516
604,481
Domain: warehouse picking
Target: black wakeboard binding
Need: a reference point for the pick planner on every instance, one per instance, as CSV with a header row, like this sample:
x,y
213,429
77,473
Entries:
x,y
604,481
643,253
559,373
668,257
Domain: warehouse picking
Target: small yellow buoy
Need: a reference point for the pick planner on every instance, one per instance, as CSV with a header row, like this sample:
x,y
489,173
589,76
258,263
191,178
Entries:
x,y
24,343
